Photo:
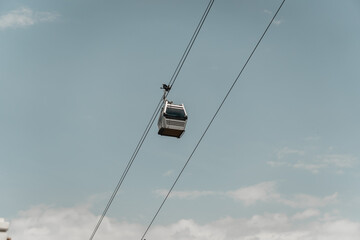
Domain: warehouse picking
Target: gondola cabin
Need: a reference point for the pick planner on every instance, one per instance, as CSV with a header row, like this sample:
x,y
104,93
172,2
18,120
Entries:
x,y
172,120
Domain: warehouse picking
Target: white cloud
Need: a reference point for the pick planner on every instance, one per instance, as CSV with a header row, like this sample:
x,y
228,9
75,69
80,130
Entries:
x,y
276,163
260,192
308,201
300,159
186,229
185,194
168,173
312,167
308,213
340,229
285,152
248,195
44,223
277,22
266,192
338,160
24,17
267,11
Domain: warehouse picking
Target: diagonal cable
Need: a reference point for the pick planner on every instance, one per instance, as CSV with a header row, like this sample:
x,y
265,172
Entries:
x,y
211,121
191,43
152,119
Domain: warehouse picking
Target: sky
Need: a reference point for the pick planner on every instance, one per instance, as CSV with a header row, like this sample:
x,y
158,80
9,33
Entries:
x,y
79,81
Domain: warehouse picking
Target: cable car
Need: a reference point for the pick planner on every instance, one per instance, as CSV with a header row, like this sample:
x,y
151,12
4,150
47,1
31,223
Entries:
x,y
172,119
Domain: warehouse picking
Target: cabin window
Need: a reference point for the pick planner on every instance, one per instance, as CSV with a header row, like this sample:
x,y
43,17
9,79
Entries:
x,y
175,113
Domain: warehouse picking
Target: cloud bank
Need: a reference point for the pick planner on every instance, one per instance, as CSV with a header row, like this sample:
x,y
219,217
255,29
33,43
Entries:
x,y
46,223
264,192
25,17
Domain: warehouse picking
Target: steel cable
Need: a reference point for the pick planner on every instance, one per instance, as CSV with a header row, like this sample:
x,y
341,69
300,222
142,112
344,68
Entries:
x,y
211,121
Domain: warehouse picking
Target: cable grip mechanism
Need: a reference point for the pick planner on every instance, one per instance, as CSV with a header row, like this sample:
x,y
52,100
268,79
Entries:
x,y
166,88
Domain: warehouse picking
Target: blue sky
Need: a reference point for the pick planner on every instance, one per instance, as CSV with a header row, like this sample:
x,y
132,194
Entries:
x,y
80,79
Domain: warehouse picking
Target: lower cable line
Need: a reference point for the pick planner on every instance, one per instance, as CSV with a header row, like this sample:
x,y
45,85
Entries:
x,y
142,139
211,121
